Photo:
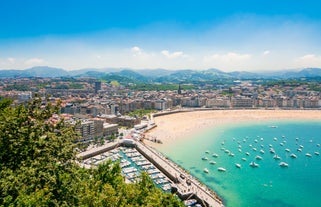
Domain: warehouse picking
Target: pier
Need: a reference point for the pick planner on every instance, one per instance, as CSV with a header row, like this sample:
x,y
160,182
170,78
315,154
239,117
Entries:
x,y
184,185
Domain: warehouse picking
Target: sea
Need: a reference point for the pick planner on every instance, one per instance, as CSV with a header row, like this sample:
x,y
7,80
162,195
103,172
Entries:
x,y
296,185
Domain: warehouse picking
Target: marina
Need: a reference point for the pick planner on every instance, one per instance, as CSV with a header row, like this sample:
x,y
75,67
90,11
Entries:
x,y
135,157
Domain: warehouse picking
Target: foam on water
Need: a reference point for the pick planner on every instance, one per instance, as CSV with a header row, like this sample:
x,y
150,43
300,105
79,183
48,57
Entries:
x,y
267,185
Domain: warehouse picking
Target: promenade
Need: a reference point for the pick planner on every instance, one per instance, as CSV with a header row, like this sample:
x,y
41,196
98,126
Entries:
x,y
187,185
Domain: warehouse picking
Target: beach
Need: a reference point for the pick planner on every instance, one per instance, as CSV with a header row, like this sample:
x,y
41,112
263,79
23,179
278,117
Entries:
x,y
177,126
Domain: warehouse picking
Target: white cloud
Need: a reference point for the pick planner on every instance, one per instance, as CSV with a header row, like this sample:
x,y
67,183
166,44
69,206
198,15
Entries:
x,y
11,60
172,55
136,51
309,60
228,57
266,52
34,62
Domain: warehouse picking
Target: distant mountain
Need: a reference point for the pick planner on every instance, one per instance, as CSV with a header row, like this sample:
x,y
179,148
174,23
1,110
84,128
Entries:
x,y
39,71
126,75
45,71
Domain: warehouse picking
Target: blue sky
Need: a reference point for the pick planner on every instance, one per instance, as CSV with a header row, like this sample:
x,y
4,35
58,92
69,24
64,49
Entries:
x,y
257,35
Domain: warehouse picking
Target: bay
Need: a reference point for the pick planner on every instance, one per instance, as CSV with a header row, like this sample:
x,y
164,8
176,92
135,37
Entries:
x,y
267,185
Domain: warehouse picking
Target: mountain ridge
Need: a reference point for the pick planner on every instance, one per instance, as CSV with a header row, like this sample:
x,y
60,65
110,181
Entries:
x,y
158,75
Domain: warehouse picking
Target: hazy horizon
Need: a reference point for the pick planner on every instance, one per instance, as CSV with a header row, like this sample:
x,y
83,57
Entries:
x,y
240,36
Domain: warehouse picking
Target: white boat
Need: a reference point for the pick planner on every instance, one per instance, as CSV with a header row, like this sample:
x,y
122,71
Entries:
x,y
244,159
272,151
204,158
238,165
190,202
284,164
262,151
299,150
293,155
287,150
318,145
308,155
276,157
207,152
221,169
254,149
301,146
253,164
231,154
240,150
212,162
258,157
317,153
273,126
206,170
215,155
227,151
282,144
275,139
247,153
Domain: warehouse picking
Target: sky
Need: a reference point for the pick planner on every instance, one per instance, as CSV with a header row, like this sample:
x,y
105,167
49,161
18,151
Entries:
x,y
230,35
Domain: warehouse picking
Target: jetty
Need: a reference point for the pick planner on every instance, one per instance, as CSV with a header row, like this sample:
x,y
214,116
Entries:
x,y
183,184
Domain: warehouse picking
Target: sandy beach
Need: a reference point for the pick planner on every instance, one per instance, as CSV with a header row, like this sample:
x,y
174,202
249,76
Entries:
x,y
173,127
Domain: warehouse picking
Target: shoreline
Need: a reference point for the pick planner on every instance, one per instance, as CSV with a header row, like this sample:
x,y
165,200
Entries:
x,y
175,127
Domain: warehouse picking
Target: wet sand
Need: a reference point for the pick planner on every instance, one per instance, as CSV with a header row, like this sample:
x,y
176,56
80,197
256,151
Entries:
x,y
173,127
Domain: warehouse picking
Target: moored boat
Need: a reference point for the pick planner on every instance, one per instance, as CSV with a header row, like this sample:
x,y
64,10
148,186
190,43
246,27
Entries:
x,y
238,165
284,164
190,202
206,170
221,169
253,164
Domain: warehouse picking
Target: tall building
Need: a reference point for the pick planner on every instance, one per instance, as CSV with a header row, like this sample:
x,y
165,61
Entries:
x,y
97,86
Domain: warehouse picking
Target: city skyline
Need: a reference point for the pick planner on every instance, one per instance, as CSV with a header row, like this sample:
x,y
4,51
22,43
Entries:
x,y
245,36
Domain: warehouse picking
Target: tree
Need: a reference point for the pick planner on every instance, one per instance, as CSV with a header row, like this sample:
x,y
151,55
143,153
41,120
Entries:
x,y
39,167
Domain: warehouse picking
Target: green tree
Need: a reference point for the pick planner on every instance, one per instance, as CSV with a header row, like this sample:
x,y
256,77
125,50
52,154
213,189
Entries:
x,y
39,167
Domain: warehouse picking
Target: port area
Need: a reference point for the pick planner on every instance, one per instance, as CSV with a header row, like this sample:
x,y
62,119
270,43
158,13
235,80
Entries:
x,y
135,157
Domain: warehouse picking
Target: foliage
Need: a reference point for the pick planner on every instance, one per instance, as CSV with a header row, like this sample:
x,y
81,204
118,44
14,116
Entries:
x,y
39,167
141,112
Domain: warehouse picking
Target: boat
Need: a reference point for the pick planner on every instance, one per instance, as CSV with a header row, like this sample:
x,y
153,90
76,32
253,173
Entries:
x,y
190,202
318,145
317,153
299,150
276,157
254,149
207,152
275,139
284,164
308,155
287,150
253,164
212,162
301,146
273,126
258,157
240,150
282,144
272,151
293,155
204,158
262,151
215,155
244,159
247,153
231,154
206,170
221,169
227,151
238,165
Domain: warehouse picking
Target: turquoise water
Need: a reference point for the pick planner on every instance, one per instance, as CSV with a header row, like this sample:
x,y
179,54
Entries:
x,y
269,184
